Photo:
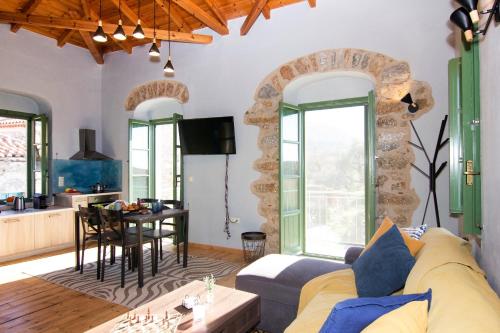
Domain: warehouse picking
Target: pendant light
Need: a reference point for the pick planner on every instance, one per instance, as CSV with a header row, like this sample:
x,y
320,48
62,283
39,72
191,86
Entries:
x,y
138,32
119,32
462,19
154,51
471,7
99,35
169,67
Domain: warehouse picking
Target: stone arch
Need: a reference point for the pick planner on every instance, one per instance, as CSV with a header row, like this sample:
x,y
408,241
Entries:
x,y
155,89
392,80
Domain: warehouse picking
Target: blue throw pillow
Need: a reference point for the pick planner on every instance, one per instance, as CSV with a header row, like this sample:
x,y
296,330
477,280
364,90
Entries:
x,y
384,267
354,315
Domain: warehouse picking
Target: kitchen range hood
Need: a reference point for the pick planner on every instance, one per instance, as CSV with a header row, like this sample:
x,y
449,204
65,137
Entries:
x,y
87,147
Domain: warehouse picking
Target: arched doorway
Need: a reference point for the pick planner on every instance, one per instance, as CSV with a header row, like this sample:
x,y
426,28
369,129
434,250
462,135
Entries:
x,y
392,80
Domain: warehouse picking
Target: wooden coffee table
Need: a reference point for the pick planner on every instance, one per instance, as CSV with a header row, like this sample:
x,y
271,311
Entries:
x,y
232,310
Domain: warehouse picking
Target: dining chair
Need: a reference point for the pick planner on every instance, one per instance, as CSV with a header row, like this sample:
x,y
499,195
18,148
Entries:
x,y
92,232
119,236
175,204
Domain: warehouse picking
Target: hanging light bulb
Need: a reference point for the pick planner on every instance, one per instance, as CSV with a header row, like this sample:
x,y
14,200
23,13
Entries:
x,y
471,7
138,32
99,35
154,51
169,67
461,18
119,32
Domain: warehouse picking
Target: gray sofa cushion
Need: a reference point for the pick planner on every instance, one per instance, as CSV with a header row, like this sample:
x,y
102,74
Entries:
x,y
278,280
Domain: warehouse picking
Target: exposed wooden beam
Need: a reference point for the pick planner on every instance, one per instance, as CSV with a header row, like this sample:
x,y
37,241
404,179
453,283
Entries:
x,y
129,12
124,45
252,17
213,7
181,24
266,11
91,26
94,50
202,16
65,37
28,8
312,3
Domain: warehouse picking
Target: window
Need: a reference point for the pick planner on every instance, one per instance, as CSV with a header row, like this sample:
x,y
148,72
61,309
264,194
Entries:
x,y
155,163
327,176
23,154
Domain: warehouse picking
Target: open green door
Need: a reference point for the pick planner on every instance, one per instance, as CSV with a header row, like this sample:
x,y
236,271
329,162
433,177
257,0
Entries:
x,y
291,180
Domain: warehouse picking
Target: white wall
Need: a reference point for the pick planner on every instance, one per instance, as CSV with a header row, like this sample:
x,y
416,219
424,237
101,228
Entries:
x,y
222,78
65,82
490,145
13,102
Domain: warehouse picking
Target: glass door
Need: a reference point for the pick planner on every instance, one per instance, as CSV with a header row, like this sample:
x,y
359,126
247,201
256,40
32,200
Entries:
x,y
334,180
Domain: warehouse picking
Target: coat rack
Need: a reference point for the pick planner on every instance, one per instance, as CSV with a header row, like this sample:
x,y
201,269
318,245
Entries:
x,y
433,173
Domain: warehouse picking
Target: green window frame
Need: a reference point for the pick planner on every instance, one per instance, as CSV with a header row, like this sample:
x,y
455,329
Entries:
x,y
37,150
178,166
292,224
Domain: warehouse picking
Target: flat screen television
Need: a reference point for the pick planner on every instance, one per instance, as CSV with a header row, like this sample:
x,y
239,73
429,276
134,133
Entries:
x,y
207,136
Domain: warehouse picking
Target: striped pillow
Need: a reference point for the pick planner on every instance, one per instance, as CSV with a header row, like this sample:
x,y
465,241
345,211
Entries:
x,y
415,232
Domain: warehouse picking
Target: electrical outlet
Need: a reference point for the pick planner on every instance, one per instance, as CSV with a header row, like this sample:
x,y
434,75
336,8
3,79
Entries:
x,y
61,181
235,219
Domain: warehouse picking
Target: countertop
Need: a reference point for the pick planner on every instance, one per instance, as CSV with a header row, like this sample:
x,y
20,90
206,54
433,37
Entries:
x,y
11,212
74,195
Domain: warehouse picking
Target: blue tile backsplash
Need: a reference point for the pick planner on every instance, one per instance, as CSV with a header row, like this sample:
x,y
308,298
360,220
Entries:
x,y
83,174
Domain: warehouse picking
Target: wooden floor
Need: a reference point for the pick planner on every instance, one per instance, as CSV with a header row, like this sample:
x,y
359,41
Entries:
x,y
35,305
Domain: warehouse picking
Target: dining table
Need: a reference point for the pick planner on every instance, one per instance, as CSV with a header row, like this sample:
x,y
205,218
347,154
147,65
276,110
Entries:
x,y
139,219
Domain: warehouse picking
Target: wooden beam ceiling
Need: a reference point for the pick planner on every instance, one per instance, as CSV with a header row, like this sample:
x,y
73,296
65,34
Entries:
x,y
252,17
207,19
94,50
65,37
312,3
176,17
91,26
213,7
28,8
129,13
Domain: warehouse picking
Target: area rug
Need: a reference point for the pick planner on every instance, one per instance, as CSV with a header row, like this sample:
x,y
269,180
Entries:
x,y
170,276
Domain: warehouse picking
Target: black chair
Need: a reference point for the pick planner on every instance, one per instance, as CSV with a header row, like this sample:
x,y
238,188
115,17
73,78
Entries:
x,y
92,232
159,233
119,236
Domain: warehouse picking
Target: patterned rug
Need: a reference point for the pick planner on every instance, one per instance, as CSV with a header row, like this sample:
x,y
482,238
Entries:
x,y
170,276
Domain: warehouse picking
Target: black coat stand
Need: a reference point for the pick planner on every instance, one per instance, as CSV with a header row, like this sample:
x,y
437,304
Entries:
x,y
433,173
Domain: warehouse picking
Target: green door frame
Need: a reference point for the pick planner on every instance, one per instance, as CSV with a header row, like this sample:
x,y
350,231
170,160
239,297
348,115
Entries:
x,y
370,162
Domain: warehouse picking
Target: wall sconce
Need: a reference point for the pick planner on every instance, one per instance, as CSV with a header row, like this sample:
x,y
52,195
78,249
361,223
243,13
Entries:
x,y
467,16
412,106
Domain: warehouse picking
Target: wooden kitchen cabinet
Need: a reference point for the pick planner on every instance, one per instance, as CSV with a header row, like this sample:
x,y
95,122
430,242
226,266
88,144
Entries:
x,y
54,228
16,234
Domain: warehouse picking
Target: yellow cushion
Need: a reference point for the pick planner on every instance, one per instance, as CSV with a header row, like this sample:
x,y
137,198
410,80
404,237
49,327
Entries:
x,y
413,245
410,318
462,300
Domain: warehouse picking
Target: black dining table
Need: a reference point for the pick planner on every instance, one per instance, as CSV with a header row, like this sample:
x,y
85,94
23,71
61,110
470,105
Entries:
x,y
139,219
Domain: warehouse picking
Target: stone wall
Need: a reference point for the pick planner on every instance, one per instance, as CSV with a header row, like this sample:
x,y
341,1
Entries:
x,y
156,89
392,79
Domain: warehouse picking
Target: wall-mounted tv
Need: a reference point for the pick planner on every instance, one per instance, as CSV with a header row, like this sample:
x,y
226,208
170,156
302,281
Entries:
x,y
207,136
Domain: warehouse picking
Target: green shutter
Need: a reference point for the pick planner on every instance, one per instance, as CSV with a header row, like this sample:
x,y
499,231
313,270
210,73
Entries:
x,y
455,130
471,137
291,180
370,167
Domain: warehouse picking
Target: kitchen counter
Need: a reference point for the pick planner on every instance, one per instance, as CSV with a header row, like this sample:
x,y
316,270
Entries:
x,y
11,212
75,195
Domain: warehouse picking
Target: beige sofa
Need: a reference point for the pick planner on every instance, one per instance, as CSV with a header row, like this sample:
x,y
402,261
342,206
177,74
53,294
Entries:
x,y
462,300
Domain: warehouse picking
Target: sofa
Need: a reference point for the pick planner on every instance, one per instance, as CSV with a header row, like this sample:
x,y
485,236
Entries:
x,y
462,300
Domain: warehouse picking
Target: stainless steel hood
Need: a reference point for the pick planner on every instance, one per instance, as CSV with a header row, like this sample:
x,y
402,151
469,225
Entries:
x,y
87,147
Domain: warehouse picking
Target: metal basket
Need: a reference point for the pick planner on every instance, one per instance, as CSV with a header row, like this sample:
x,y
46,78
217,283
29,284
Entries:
x,y
254,244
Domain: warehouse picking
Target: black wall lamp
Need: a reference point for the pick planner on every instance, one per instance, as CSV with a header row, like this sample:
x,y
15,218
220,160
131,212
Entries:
x,y
412,106
467,16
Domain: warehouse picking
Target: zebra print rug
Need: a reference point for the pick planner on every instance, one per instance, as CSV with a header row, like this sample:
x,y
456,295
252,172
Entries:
x,y
170,276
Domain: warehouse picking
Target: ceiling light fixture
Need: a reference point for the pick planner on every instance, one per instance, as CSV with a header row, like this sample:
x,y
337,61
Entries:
x,y
154,51
466,17
99,35
169,67
412,106
119,32
138,32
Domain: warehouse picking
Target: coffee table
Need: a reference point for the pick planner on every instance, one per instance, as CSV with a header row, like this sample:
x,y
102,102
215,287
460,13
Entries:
x,y
232,310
